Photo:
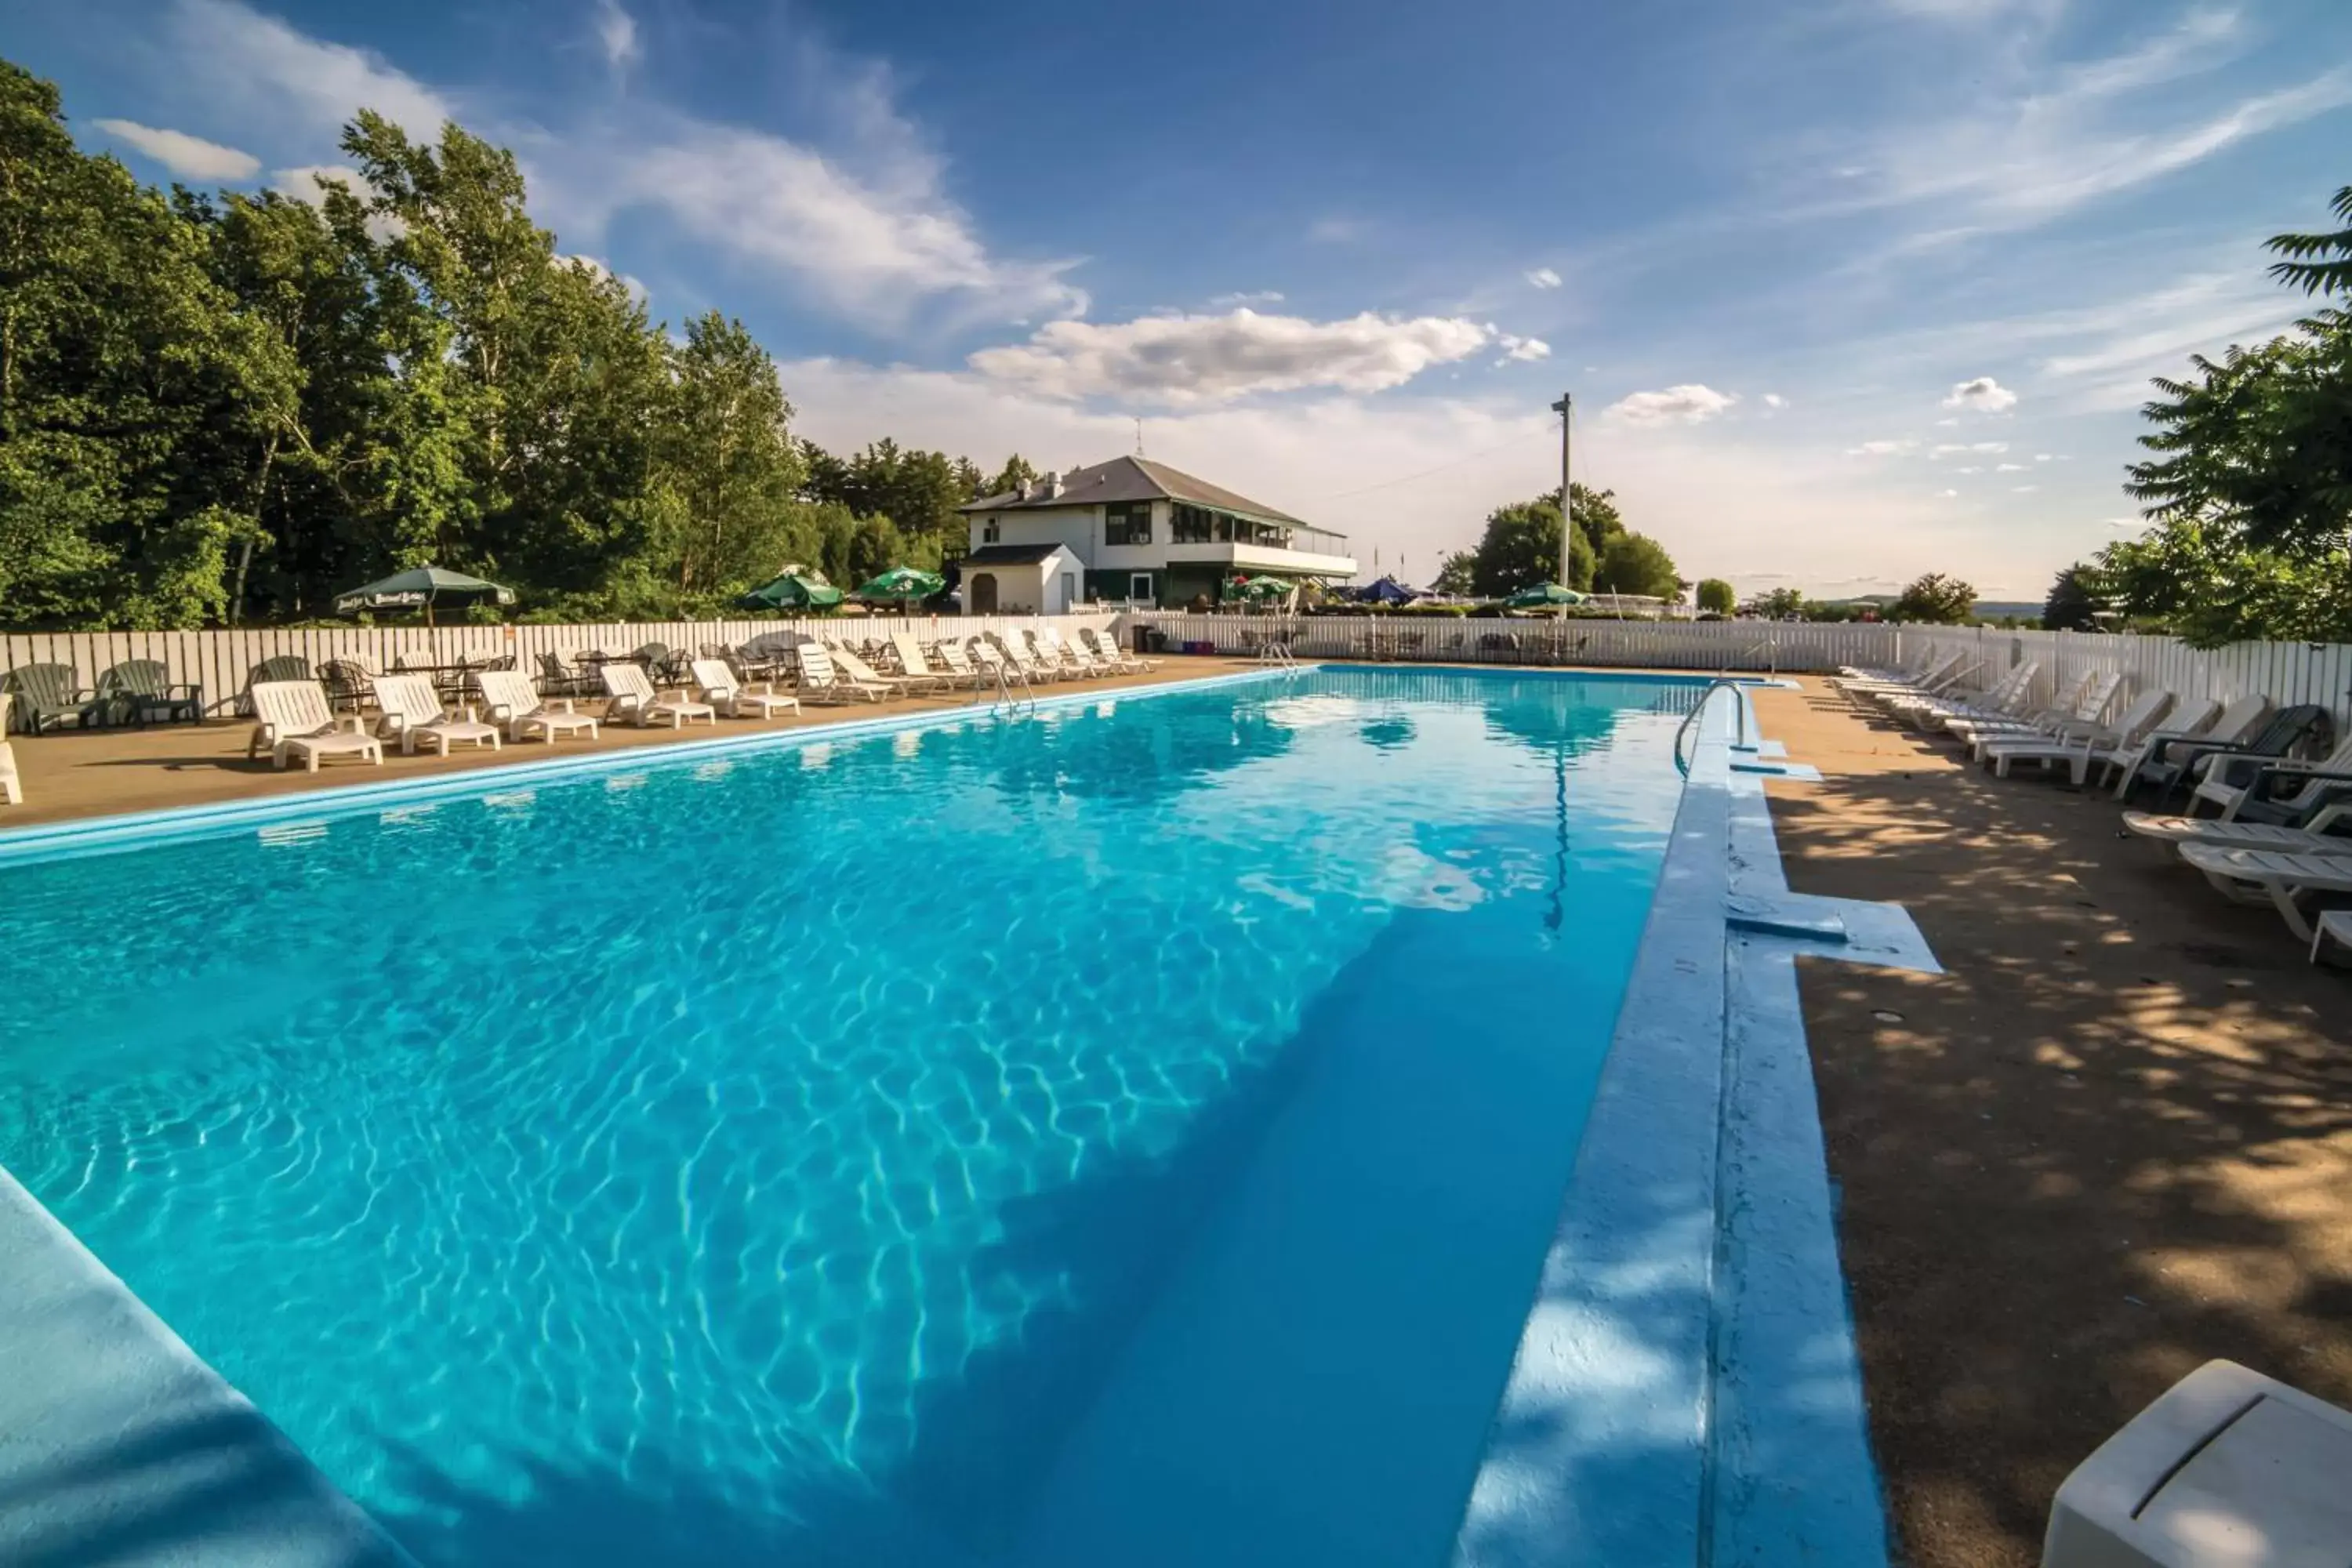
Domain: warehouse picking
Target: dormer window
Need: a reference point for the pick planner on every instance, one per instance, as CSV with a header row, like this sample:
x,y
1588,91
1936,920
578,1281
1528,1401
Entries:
x,y
989,531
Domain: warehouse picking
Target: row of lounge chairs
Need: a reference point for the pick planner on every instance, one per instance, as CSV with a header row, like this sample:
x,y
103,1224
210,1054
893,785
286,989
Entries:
x,y
2268,813
295,722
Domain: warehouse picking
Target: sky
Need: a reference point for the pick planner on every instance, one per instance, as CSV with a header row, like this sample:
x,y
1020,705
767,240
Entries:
x,y
1844,291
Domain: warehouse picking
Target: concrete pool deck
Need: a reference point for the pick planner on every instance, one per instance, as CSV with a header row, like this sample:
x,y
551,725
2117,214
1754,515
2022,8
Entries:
x,y
2112,1141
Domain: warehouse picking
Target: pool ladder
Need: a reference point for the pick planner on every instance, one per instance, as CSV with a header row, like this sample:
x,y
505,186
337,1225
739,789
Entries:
x,y
1006,700
1740,719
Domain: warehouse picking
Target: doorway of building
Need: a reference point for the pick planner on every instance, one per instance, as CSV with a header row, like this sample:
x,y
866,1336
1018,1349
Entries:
x,y
983,595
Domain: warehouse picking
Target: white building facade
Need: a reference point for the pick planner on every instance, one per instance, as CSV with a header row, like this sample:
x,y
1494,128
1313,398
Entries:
x,y
1146,532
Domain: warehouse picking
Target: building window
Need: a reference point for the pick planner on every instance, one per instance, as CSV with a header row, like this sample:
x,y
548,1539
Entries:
x,y
1190,525
1127,522
1224,528
1139,587
989,531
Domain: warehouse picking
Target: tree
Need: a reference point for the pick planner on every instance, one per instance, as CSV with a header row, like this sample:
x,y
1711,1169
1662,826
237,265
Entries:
x,y
1636,564
1715,596
1456,575
2319,263
1520,548
1935,599
1781,604
2078,594
1008,478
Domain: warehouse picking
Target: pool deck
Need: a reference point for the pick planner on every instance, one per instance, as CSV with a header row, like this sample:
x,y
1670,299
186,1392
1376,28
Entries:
x,y
70,774
2112,1141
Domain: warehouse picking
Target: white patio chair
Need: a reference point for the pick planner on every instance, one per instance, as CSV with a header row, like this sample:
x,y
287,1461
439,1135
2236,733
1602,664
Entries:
x,y
293,719
408,710
510,701
715,683
634,699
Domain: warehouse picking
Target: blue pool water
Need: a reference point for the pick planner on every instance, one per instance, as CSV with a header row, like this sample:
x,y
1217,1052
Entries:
x,y
1125,1135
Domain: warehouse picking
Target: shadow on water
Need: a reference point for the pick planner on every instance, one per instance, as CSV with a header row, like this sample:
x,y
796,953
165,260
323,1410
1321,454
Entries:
x,y
984,1441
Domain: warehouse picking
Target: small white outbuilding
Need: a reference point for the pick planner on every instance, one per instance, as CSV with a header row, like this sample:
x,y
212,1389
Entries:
x,y
1022,579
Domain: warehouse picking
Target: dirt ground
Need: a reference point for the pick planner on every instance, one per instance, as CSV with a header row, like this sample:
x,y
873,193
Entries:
x,y
67,773
2113,1141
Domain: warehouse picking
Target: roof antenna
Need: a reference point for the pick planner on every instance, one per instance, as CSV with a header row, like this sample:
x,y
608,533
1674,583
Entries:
x,y
1138,434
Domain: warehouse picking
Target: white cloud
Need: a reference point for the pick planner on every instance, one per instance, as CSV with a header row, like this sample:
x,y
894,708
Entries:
x,y
1520,348
1981,395
877,248
1688,404
1945,495
1955,448
1185,361
616,33
1774,400
2009,467
1544,278
189,157
2023,490
596,269
306,85
1251,298
302,184
2041,457
1884,448
1969,469
2038,138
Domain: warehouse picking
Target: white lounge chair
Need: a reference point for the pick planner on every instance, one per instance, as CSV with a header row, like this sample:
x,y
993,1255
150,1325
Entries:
x,y
913,662
2335,926
2312,837
2087,711
2023,718
822,681
409,710
293,719
2231,726
2079,749
1945,677
1918,679
1106,648
2009,699
509,700
2280,878
1966,685
715,683
11,790
951,653
855,666
634,699
1064,657
1018,654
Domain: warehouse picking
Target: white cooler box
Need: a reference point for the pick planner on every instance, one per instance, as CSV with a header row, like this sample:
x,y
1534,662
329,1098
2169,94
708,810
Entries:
x,y
2228,1469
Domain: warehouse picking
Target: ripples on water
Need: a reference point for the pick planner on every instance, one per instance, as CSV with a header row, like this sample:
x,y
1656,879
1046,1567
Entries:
x,y
772,1157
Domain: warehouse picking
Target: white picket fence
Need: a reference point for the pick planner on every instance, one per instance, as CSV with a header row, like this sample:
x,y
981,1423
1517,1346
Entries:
x,y
2284,673
1656,645
223,662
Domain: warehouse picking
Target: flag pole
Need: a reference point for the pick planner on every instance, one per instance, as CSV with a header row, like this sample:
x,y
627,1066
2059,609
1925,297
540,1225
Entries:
x,y
1567,520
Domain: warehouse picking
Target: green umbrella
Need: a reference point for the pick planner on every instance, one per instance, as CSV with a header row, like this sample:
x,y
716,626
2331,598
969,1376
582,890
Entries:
x,y
1543,595
902,584
1259,587
421,588
791,592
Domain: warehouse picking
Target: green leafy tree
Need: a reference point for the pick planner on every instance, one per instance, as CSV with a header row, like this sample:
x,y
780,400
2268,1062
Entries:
x,y
1636,564
1520,548
726,469
1015,473
1781,603
1716,596
1457,574
1934,599
2075,599
2319,263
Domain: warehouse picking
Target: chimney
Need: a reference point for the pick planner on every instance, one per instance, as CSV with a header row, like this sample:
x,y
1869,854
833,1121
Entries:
x,y
1053,483
1024,489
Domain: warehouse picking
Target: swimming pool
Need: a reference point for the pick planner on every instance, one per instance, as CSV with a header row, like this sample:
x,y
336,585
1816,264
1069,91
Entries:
x,y
1129,1135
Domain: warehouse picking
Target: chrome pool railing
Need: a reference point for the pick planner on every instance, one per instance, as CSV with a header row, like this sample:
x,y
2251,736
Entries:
x,y
1739,719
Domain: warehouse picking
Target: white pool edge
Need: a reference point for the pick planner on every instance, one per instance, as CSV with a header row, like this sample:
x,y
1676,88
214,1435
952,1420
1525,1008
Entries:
x,y
1687,1389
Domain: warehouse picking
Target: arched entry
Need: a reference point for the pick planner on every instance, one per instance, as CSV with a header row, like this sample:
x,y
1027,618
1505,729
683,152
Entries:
x,y
983,595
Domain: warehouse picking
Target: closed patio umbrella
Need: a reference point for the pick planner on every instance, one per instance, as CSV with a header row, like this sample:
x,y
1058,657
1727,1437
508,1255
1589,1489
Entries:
x,y
421,588
791,592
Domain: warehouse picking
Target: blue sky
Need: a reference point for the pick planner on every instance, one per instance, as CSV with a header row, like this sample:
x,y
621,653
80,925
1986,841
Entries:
x,y
1847,290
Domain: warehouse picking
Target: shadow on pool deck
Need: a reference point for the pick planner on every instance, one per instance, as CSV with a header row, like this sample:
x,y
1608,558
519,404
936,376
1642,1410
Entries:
x,y
2111,1142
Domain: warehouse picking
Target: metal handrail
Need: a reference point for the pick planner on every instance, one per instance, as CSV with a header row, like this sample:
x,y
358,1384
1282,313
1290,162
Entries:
x,y
1739,710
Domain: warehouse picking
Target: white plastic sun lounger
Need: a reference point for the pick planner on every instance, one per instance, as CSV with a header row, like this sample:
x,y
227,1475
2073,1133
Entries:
x,y
2005,701
823,682
2090,704
634,699
1023,659
2233,726
1106,649
410,711
1944,680
855,666
2022,719
2079,749
951,653
293,719
1920,679
2185,722
2280,878
509,700
913,664
1064,657
11,791
716,684
2312,837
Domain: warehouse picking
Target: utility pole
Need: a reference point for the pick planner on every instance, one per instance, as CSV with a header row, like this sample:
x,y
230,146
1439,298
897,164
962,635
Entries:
x,y
1567,521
